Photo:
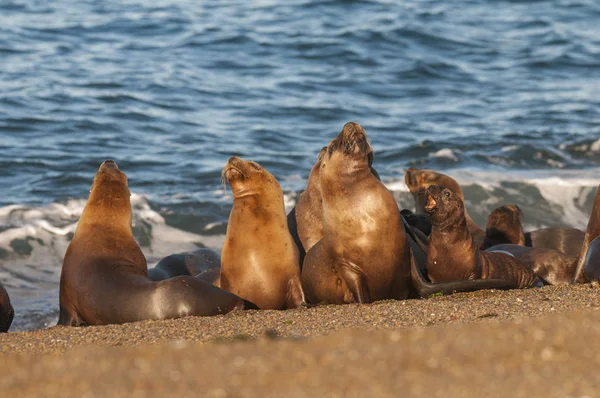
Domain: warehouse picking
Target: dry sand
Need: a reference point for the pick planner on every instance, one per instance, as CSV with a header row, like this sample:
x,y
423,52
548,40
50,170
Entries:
x,y
537,342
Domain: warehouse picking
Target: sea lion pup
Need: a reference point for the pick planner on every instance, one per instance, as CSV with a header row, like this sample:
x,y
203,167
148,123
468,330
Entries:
x,y
104,277
453,254
504,225
588,269
418,180
7,312
363,255
190,263
259,257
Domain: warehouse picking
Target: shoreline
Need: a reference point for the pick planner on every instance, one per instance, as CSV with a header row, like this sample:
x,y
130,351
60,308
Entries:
x,y
517,342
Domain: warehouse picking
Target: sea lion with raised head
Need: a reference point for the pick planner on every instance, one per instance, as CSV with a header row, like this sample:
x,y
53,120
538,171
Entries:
x,y
352,262
104,277
504,225
418,180
305,220
259,257
452,253
7,312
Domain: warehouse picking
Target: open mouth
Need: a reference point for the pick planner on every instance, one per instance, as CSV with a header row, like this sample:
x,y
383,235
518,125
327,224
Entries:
x,y
431,205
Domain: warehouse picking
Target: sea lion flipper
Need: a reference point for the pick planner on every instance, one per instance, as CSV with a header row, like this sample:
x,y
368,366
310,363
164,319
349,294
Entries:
x,y
295,295
356,281
426,289
67,318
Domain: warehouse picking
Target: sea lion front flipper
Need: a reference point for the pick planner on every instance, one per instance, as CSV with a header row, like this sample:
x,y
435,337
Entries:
x,y
67,318
426,289
357,282
295,295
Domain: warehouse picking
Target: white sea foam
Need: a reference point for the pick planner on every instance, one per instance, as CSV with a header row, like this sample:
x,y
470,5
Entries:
x,y
445,153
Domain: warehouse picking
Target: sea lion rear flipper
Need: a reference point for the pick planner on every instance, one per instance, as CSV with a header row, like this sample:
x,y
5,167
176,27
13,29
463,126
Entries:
x,y
357,282
295,295
426,289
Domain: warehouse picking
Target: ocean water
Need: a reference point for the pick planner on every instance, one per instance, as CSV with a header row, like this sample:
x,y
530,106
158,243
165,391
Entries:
x,y
503,95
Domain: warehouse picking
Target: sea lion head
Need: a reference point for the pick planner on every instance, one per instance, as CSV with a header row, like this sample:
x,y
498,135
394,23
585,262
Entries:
x,y
351,144
247,177
444,206
109,201
110,185
418,180
505,216
505,225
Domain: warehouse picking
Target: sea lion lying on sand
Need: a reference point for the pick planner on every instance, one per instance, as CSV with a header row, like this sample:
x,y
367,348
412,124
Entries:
x,y
104,277
191,264
452,253
504,225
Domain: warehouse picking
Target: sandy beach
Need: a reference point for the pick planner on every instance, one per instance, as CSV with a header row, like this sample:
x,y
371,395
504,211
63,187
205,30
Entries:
x,y
537,342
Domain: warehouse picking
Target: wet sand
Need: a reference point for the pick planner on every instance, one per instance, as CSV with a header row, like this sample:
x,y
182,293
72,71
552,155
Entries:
x,y
537,342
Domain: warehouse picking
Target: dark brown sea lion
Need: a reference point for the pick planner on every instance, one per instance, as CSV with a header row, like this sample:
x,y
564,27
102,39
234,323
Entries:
x,y
551,266
566,240
591,262
7,312
453,255
587,266
191,264
504,225
352,263
418,180
259,257
104,277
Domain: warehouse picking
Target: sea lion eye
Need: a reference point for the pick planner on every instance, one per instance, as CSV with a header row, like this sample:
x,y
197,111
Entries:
x,y
446,193
256,167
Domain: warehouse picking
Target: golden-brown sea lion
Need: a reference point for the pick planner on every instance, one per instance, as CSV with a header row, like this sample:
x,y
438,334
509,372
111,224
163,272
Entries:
x,y
504,225
309,209
104,277
453,255
305,220
7,312
259,257
363,255
418,180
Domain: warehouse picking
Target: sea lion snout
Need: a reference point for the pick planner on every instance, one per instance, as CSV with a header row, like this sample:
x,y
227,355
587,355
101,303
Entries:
x,y
431,204
109,164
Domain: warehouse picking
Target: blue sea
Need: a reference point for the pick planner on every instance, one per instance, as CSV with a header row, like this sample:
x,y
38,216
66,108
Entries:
x,y
504,96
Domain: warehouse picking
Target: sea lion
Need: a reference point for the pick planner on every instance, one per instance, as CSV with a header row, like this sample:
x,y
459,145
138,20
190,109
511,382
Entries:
x,y
259,257
587,266
504,225
453,255
305,220
7,312
566,240
104,278
591,262
190,263
418,180
309,209
353,262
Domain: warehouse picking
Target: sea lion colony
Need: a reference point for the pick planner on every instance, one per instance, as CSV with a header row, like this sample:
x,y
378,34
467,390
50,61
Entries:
x,y
345,241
